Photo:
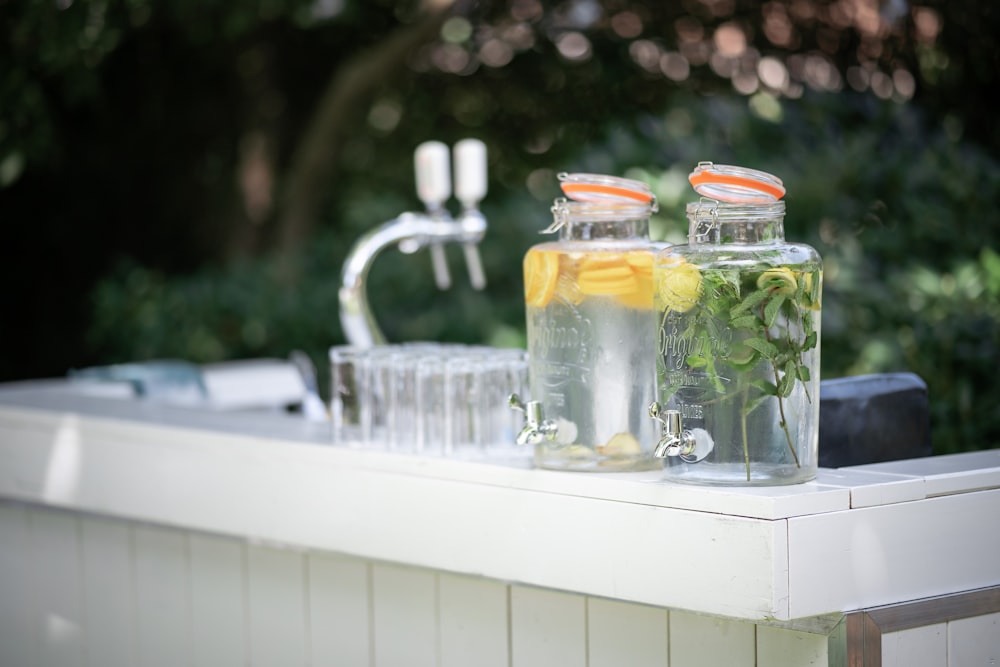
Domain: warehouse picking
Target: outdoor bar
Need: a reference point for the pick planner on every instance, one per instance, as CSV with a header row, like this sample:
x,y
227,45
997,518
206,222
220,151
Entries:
x,y
680,352
660,478
137,533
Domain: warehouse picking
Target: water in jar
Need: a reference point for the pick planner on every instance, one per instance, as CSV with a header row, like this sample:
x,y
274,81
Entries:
x,y
591,337
739,359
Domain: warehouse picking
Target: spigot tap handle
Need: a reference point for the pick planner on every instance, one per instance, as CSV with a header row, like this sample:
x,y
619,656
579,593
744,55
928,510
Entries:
x,y
477,277
470,188
439,263
470,172
433,174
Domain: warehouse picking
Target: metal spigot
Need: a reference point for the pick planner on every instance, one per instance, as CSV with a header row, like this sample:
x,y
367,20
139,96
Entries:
x,y
413,231
536,427
691,446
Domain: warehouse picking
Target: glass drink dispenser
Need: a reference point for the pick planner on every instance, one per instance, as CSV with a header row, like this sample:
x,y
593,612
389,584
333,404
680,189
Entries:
x,y
738,348
591,330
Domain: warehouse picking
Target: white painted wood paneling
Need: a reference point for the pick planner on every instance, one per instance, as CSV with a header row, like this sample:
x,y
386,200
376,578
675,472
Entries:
x,y
218,602
339,611
619,633
162,603
473,624
925,646
55,550
18,631
266,481
277,607
704,641
880,555
109,593
404,605
547,628
779,647
974,641
264,476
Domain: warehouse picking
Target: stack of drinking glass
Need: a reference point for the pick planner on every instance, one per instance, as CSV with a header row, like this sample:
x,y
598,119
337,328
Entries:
x,y
429,398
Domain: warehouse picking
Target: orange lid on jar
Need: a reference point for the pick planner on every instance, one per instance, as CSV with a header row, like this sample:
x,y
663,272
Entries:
x,y
738,185
597,188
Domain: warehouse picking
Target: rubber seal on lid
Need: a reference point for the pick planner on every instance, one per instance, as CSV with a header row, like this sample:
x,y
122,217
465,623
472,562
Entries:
x,y
596,188
735,184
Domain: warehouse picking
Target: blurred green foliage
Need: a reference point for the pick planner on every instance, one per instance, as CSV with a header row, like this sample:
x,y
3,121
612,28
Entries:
x,y
147,153
903,216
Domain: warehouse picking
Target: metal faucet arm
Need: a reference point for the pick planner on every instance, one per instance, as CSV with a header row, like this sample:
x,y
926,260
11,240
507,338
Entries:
x,y
411,231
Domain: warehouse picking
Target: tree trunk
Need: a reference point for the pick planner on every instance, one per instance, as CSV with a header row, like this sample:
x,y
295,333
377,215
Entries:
x,y
350,93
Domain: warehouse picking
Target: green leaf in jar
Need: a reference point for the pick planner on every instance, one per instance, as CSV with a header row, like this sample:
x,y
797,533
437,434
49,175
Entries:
x,y
772,308
752,299
695,361
744,322
787,382
766,387
767,349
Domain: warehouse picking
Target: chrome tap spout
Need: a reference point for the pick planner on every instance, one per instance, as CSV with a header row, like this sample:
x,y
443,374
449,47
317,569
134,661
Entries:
x,y
691,446
411,231
537,428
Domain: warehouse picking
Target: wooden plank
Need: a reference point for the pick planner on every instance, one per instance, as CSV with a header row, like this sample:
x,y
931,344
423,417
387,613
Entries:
x,y
777,647
19,636
873,642
339,610
232,483
267,483
277,606
974,641
855,639
925,646
162,602
939,609
99,420
881,555
109,593
404,603
696,641
869,489
547,628
223,494
620,633
218,601
473,626
55,549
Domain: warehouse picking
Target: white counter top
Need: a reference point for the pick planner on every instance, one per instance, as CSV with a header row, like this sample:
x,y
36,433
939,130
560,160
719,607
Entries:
x,y
854,538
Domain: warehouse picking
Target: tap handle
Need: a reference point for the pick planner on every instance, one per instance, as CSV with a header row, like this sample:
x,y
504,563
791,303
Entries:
x,y
477,277
433,174
439,263
470,189
470,172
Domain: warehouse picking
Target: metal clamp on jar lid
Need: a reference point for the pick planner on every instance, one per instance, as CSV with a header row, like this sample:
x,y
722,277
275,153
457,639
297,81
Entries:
x,y
736,184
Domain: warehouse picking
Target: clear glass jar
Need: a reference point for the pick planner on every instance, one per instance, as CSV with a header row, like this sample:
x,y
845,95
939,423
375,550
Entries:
x,y
738,348
592,329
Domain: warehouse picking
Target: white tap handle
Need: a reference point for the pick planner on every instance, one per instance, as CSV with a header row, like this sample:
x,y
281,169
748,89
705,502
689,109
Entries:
x,y
433,174
477,277
470,172
439,263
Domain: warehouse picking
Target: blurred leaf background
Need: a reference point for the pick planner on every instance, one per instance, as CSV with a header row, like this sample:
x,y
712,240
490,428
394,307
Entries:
x,y
184,179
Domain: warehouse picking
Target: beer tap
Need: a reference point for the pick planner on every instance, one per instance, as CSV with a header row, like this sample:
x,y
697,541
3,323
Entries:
x,y
432,228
